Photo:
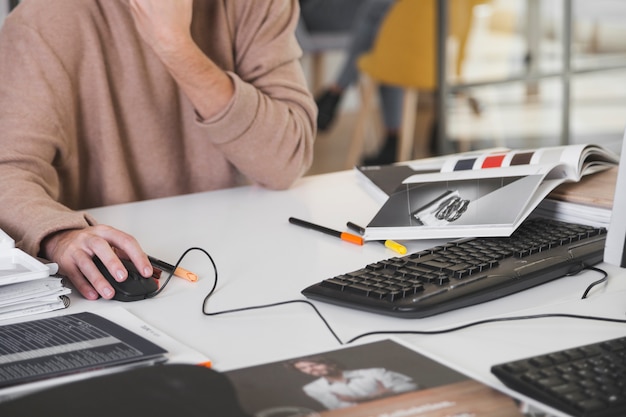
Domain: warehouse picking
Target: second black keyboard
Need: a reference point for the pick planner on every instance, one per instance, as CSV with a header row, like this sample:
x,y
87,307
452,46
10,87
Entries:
x,y
467,271
584,381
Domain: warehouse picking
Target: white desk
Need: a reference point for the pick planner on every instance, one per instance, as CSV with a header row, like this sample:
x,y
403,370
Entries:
x,y
261,258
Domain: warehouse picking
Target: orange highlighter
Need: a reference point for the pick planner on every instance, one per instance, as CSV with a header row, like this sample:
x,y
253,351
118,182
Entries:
x,y
179,272
348,237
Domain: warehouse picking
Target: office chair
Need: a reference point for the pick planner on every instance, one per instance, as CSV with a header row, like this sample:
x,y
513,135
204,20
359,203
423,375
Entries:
x,y
317,44
405,55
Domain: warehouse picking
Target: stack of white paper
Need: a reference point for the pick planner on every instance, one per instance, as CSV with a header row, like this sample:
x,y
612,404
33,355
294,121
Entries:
x,y
26,286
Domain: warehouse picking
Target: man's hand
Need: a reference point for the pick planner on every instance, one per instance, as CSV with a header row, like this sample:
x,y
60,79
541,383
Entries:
x,y
163,24
74,249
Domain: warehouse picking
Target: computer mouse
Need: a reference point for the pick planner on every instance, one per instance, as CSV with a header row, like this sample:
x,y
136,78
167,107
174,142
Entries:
x,y
134,288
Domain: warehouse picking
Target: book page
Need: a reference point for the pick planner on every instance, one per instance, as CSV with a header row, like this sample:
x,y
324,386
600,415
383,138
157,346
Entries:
x,y
18,266
177,352
37,305
57,346
23,291
450,205
595,190
575,160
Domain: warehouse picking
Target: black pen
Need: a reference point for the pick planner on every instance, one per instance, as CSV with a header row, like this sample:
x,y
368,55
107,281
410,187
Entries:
x,y
348,237
393,245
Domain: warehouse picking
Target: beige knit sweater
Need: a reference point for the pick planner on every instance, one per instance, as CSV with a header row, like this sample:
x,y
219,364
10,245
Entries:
x,y
90,117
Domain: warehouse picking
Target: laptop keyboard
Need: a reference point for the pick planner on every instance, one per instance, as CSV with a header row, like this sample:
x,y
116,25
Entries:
x,y
465,272
587,381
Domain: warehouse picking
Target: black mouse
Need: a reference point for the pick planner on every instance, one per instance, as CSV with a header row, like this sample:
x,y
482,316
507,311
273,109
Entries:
x,y
134,288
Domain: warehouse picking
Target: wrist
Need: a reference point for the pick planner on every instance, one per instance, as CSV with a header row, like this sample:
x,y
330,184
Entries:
x,y
48,244
173,46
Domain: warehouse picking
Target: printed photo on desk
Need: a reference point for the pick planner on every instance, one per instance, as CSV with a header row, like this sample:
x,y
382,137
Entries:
x,y
374,379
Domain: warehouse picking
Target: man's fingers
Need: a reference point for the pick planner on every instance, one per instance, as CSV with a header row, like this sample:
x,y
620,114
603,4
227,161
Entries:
x,y
82,285
89,270
117,241
73,251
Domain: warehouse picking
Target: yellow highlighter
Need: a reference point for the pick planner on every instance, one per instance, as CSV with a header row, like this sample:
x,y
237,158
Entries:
x,y
395,246
391,244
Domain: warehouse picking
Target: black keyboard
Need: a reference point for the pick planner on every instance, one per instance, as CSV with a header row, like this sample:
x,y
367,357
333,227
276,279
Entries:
x,y
465,272
586,381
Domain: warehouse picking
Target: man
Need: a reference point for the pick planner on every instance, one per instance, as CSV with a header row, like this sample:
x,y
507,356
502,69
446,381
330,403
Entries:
x,y
336,387
111,101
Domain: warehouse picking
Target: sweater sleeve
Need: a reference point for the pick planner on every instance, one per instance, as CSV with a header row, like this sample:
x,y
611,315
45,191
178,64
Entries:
x,y
268,130
31,139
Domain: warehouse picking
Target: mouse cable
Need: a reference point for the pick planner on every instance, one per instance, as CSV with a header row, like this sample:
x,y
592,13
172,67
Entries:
x,y
180,259
215,280
210,293
274,305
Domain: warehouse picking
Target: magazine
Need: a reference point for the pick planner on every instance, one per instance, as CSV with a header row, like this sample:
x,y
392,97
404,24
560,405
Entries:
x,y
382,180
40,354
382,378
54,350
482,195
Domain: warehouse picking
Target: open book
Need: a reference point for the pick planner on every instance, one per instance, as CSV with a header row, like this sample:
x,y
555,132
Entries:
x,y
486,194
588,201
